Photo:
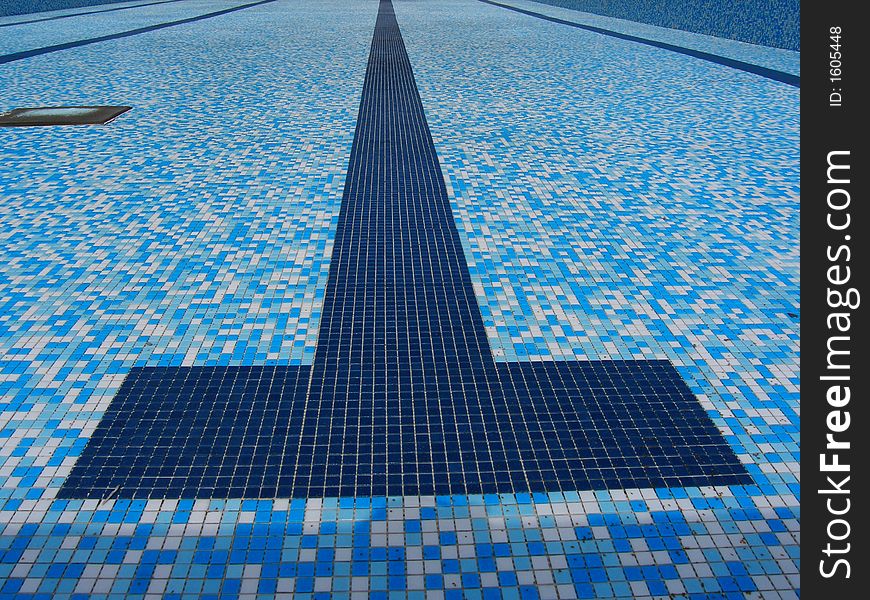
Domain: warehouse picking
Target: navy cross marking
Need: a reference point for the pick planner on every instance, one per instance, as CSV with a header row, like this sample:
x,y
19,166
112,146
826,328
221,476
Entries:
x,y
403,396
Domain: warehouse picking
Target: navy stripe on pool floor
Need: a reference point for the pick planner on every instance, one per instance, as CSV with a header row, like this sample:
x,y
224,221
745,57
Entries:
x,y
85,13
403,397
774,74
8,58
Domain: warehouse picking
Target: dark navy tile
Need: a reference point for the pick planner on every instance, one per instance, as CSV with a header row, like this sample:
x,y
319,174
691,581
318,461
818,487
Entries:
x,y
404,396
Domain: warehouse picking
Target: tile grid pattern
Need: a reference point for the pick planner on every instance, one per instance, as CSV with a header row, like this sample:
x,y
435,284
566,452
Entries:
x,y
748,67
774,58
731,306
404,397
64,11
20,7
28,37
8,58
767,22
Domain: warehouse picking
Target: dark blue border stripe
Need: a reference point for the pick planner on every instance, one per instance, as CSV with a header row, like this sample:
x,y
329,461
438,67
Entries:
x,y
8,58
90,12
781,76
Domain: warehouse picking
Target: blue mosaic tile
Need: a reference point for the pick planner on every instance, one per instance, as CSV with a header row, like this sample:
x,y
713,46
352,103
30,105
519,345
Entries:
x,y
779,59
748,67
403,397
613,202
35,36
20,7
771,23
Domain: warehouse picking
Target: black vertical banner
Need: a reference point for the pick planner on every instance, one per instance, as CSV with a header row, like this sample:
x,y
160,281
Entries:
x,y
834,337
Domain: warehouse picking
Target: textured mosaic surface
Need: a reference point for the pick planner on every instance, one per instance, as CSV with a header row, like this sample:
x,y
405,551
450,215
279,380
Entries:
x,y
613,202
767,22
403,397
40,34
21,7
718,50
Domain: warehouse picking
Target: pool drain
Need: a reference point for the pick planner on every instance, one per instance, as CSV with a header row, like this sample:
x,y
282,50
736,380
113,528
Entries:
x,y
61,115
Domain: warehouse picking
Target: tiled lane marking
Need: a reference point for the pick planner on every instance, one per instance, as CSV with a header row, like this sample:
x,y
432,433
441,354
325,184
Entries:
x,y
404,397
90,12
781,76
8,58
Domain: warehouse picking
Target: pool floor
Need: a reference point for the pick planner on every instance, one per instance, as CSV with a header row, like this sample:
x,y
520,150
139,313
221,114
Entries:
x,y
395,299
